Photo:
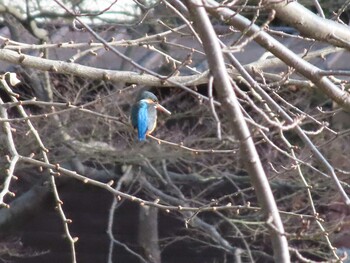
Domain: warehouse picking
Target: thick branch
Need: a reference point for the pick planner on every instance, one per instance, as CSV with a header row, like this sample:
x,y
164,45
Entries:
x,y
94,73
148,233
231,106
304,67
311,25
309,71
31,26
24,207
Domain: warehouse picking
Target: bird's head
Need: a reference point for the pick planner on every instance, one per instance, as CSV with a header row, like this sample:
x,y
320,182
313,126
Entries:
x,y
152,99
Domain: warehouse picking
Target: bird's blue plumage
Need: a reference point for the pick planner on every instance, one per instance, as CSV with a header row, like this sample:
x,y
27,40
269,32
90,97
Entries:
x,y
144,114
142,120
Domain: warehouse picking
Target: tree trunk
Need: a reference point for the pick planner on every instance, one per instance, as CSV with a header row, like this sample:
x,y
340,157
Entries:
x,y
148,233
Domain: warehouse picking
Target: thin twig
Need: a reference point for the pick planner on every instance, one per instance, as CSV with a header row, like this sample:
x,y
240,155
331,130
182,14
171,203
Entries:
x,y
44,152
212,107
13,160
163,79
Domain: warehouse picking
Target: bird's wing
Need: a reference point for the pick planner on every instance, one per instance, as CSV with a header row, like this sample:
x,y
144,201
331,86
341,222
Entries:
x,y
142,121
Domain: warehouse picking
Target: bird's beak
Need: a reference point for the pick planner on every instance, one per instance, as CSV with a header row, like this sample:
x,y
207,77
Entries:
x,y
161,108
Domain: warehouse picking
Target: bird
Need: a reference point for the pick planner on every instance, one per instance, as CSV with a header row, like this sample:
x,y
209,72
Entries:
x,y
144,114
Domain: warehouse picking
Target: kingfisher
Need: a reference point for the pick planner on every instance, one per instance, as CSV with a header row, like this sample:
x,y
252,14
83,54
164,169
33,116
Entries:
x,y
144,114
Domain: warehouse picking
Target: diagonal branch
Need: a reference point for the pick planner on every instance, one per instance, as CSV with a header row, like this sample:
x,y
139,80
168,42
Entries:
x,y
311,25
230,103
304,67
309,71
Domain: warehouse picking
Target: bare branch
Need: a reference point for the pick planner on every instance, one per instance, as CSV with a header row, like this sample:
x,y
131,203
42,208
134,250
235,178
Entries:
x,y
308,70
231,105
310,24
